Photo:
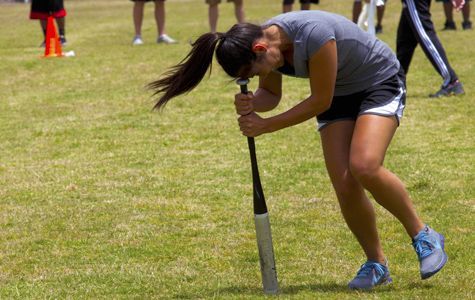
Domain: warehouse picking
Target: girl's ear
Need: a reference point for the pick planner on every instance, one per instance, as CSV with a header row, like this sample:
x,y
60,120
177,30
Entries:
x,y
259,47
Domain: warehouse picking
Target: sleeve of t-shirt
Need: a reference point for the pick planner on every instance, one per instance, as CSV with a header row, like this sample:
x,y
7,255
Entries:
x,y
317,36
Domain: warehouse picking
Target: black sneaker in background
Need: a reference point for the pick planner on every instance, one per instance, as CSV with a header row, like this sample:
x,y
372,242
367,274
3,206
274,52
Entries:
x,y
449,25
62,40
467,25
378,29
455,88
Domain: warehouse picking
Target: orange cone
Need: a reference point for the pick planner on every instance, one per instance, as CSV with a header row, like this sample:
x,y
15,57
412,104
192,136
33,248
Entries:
x,y
53,46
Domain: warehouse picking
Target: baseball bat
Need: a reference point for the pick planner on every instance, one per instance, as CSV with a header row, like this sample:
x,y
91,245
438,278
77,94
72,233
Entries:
x,y
261,219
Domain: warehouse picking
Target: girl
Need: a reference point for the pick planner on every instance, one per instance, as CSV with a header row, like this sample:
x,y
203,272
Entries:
x,y
357,94
41,10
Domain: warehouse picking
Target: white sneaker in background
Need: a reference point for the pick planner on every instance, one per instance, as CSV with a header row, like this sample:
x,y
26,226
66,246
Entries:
x,y
137,40
166,39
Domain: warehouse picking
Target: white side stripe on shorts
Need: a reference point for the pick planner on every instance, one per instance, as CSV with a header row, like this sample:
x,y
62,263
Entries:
x,y
395,107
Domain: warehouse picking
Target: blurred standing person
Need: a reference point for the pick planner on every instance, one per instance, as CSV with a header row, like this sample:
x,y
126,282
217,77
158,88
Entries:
x,y
449,15
416,27
41,10
358,7
213,12
304,5
159,19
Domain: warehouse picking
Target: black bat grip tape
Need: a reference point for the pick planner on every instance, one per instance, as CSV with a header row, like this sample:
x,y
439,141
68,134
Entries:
x,y
260,206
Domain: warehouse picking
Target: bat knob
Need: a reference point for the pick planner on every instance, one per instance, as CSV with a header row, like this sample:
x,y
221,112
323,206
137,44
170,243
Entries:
x,y
242,81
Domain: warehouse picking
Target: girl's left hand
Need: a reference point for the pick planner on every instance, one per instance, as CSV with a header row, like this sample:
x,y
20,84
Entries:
x,y
252,125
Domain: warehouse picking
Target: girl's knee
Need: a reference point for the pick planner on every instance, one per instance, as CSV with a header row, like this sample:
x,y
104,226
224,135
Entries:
x,y
348,191
364,169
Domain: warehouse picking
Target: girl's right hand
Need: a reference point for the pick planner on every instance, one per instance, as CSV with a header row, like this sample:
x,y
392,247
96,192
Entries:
x,y
243,103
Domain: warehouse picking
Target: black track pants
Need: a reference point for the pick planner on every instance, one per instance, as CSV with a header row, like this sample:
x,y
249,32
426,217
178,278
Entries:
x,y
416,27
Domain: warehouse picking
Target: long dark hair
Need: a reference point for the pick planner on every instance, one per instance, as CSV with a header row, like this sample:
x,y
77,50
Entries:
x,y
233,52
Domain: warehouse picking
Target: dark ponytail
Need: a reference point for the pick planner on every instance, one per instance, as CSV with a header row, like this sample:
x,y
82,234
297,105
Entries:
x,y
188,73
233,52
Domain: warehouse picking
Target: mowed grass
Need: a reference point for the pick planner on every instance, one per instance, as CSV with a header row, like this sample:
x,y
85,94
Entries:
x,y
100,197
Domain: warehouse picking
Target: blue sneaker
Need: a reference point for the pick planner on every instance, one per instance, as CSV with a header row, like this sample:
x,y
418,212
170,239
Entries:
x,y
429,246
370,275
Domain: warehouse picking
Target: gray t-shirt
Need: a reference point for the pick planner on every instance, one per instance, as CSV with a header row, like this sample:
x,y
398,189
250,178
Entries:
x,y
363,60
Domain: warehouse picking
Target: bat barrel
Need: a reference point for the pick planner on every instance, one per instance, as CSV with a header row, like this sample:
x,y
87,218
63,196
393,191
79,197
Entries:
x,y
266,254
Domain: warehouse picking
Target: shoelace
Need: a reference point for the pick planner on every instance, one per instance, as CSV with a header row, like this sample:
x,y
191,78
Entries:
x,y
423,246
367,267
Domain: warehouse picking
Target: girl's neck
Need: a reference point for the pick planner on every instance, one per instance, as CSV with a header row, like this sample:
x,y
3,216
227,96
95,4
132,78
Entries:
x,y
280,46
276,37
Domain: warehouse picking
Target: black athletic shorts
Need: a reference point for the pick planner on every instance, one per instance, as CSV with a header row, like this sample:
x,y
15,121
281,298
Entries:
x,y
41,9
288,2
387,98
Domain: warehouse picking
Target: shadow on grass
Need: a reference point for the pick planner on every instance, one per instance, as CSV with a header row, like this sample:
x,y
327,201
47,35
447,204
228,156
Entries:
x,y
283,291
315,287
331,288
420,286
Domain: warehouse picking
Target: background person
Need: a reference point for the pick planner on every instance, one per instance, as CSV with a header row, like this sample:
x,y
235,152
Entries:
x,y
449,15
357,8
358,97
41,10
213,12
416,27
304,4
159,19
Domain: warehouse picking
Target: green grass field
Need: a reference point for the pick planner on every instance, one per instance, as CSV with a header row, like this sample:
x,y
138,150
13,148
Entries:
x,y
102,198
